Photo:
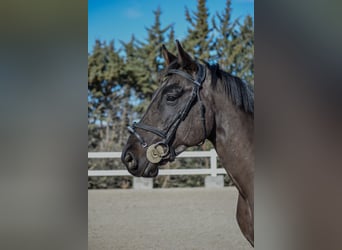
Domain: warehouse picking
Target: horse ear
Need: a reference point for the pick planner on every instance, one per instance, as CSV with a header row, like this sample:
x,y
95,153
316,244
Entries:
x,y
168,57
184,59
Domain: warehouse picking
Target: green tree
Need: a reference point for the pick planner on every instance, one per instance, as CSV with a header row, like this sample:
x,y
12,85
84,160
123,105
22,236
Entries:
x,y
245,65
108,108
170,42
199,38
226,38
148,60
234,44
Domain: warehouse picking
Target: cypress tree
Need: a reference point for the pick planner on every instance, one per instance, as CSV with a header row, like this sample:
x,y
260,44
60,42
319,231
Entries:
x,y
199,39
246,39
150,52
234,44
226,38
170,43
144,61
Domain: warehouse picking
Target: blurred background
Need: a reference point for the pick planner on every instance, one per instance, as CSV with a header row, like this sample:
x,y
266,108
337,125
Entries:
x,y
124,57
45,48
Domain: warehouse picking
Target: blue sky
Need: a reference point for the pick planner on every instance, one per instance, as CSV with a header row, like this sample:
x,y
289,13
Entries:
x,y
119,19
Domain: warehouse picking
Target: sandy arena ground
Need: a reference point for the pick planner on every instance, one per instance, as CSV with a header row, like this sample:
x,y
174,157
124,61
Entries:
x,y
174,219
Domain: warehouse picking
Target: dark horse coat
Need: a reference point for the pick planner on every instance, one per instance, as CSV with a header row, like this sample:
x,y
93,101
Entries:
x,y
196,102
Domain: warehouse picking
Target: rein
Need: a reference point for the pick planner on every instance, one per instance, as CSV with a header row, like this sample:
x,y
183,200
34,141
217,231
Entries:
x,y
163,149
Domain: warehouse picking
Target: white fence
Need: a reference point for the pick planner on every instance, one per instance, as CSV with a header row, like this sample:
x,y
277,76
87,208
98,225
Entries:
x,y
213,170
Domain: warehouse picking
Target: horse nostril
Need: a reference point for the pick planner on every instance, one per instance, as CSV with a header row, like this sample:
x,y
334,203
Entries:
x,y
128,158
130,161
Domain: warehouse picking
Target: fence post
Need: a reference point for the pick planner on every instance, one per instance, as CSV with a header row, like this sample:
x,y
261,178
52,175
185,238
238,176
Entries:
x,y
213,162
213,181
142,183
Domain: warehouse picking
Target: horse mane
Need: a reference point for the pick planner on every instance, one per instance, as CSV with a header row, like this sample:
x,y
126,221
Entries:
x,y
240,93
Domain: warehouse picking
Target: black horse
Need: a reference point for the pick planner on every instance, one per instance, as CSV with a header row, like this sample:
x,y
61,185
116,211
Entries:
x,y
196,102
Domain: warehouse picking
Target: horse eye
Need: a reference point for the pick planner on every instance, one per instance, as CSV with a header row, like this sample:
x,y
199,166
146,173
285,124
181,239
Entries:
x,y
171,98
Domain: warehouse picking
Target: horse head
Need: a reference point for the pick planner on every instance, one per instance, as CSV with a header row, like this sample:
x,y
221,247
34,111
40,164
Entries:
x,y
178,116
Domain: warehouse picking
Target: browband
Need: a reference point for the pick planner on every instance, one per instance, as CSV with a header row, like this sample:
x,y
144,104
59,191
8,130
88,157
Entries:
x,y
200,76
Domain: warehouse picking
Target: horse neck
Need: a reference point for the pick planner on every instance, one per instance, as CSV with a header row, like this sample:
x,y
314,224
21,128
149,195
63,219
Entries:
x,y
232,137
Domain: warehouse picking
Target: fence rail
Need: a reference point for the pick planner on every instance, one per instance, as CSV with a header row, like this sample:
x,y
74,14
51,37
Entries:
x,y
213,170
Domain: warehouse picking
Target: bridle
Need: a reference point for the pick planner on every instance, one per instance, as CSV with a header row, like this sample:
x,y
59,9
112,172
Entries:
x,y
163,149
